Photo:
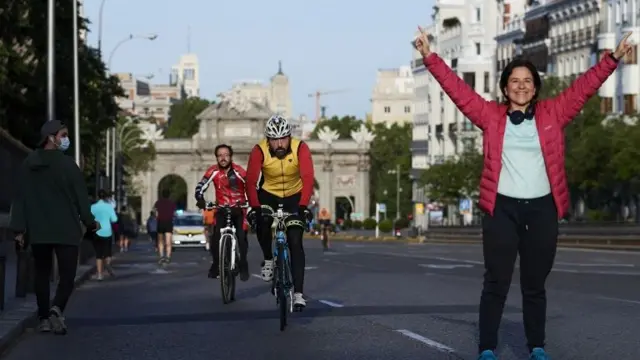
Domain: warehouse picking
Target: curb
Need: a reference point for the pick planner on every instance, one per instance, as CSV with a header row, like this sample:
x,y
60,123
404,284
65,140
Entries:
x,y
21,314
422,240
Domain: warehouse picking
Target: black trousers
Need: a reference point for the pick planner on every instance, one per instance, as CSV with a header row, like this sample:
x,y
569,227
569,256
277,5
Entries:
x,y
237,217
529,228
67,256
290,204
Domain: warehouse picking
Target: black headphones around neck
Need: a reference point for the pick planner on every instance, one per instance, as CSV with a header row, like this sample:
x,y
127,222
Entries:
x,y
518,117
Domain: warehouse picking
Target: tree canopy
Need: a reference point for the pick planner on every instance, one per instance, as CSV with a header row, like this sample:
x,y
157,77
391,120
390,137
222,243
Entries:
x,y
183,121
343,125
23,77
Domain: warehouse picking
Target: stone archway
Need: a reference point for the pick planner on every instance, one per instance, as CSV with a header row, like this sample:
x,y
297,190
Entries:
x,y
176,188
341,166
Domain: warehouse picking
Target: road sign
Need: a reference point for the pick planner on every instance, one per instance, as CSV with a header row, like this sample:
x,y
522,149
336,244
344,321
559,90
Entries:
x,y
382,208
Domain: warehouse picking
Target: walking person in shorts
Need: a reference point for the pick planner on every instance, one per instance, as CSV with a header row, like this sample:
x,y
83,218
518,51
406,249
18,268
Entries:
x,y
152,229
104,214
165,209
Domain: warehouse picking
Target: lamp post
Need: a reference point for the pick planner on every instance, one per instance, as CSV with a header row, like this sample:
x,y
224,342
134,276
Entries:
x,y
76,86
51,75
111,138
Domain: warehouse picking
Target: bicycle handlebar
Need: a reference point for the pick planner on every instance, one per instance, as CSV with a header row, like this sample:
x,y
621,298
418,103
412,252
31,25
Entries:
x,y
240,205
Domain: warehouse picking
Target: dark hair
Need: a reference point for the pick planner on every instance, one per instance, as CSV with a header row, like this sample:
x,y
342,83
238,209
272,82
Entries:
x,y
103,194
517,62
221,146
166,193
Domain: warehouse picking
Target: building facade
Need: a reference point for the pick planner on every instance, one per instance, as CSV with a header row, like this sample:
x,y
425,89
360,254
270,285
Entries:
x,y
620,93
275,95
392,97
186,75
147,101
573,28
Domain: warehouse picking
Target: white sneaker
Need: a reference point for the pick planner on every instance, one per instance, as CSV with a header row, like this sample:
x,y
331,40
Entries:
x,y
267,270
298,300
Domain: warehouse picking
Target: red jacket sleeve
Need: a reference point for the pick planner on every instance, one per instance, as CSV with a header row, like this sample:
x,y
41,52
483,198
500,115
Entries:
x,y
472,104
254,167
306,173
571,101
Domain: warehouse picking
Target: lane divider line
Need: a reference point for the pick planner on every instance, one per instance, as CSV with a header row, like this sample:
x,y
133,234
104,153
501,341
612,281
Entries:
x,y
430,343
331,303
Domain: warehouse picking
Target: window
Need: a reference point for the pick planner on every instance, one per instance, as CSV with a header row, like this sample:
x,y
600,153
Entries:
x,y
387,109
468,144
478,49
630,104
486,82
407,109
470,79
189,74
467,125
606,105
478,15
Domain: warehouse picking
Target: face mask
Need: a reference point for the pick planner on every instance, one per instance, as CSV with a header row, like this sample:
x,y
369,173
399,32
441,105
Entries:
x,y
280,153
64,144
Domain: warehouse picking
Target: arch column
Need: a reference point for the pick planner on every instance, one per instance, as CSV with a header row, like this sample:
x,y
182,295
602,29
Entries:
x,y
362,193
326,186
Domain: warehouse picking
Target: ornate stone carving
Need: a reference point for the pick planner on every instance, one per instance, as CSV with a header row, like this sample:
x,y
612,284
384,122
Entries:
x,y
363,137
327,135
235,100
346,181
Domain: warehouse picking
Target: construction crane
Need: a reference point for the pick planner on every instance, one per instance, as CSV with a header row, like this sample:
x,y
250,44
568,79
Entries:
x,y
319,94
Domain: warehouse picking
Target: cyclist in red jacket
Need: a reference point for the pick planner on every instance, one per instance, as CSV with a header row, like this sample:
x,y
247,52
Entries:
x,y
229,182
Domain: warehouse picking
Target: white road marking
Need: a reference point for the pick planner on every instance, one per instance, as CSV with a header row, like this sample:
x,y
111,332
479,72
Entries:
x,y
331,303
430,343
594,264
620,300
597,272
257,276
160,271
310,267
446,266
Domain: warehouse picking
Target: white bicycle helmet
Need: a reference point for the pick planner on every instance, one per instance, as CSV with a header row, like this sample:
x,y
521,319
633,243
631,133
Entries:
x,y
277,127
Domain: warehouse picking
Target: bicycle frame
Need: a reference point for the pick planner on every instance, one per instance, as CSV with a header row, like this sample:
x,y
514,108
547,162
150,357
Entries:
x,y
228,230
279,216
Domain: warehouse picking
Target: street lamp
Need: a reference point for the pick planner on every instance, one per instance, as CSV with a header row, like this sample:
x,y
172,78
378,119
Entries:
x,y
399,189
111,167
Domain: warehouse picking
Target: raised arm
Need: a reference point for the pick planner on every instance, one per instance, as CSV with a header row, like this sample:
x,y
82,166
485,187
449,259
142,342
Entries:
x,y
570,102
472,104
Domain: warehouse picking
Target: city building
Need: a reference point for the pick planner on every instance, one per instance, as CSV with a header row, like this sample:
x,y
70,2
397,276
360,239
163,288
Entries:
x,y
509,38
186,75
275,95
573,28
147,101
392,97
619,93
536,42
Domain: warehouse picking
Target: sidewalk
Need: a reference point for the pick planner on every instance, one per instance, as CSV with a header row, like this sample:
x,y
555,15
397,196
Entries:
x,y
20,314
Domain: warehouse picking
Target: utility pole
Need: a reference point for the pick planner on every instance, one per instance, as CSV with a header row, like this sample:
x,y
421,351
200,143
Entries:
x,y
398,190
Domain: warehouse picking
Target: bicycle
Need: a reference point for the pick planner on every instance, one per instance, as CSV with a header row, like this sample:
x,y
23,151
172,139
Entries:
x,y
282,283
229,252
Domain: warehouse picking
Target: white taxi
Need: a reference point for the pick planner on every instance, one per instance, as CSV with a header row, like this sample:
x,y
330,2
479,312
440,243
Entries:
x,y
188,230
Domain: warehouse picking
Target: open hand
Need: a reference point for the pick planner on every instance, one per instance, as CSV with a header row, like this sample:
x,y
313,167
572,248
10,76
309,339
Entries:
x,y
20,240
421,43
624,47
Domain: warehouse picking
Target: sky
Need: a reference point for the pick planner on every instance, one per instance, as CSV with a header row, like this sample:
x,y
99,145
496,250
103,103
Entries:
x,y
324,45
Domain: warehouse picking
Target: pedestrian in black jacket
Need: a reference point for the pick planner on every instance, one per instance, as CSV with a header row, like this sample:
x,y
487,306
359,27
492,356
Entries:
x,y
50,205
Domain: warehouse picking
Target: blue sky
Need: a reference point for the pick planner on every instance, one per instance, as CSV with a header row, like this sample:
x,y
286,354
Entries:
x,y
325,45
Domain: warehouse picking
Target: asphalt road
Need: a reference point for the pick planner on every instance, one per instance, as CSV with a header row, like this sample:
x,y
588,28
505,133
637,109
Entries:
x,y
366,301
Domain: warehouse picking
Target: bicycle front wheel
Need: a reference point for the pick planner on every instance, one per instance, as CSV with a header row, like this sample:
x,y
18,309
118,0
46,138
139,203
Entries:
x,y
227,278
281,287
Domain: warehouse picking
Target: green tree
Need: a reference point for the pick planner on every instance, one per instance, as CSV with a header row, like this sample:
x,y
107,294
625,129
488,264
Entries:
x,y
138,153
343,125
183,121
390,148
23,77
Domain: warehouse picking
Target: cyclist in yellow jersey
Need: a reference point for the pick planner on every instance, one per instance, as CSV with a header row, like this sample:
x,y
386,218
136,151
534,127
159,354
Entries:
x,y
280,171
